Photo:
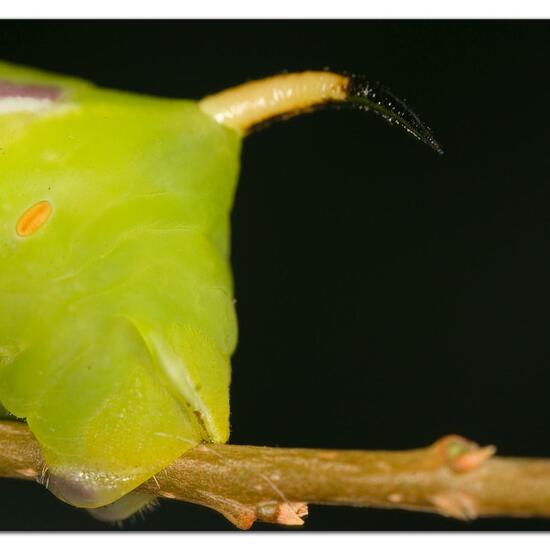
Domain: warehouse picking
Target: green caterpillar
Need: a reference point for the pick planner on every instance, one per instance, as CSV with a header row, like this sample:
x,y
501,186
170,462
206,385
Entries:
x,y
117,318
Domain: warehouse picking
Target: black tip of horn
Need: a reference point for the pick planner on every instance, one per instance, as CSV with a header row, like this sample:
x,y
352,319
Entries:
x,y
373,96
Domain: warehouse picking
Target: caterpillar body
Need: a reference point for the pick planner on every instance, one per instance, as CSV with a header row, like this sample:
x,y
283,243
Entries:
x,y
117,318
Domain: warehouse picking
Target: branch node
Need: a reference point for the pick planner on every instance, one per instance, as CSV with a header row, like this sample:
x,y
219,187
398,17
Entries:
x,y
241,516
282,513
455,504
471,460
462,455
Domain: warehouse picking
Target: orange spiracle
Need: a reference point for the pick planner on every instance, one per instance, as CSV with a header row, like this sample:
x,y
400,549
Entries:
x,y
33,219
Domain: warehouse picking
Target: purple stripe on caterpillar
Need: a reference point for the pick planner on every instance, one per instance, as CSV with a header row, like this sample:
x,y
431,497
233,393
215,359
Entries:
x,y
34,91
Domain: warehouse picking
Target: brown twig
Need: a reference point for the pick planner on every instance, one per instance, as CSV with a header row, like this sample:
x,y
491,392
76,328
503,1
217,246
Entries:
x,y
453,477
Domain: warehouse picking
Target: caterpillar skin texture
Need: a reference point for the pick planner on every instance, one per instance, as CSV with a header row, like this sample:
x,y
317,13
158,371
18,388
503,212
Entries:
x,y
117,320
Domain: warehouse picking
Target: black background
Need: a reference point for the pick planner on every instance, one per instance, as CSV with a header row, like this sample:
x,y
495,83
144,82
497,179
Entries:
x,y
387,296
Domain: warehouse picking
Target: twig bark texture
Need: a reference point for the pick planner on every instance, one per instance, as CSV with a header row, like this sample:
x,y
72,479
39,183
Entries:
x,y
453,477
